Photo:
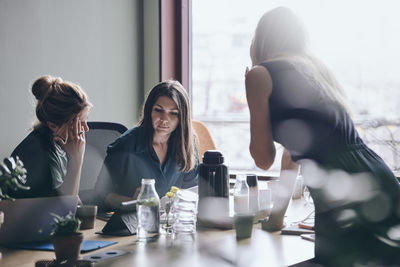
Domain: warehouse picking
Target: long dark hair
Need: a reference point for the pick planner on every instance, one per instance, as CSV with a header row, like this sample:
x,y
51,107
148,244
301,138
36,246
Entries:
x,y
181,139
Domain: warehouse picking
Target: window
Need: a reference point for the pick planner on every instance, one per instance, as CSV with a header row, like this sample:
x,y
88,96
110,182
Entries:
x,y
357,39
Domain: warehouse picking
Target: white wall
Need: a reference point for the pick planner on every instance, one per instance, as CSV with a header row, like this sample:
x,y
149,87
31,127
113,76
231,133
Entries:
x,y
96,43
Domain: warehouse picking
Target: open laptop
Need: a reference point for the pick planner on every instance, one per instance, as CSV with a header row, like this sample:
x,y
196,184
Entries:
x,y
30,219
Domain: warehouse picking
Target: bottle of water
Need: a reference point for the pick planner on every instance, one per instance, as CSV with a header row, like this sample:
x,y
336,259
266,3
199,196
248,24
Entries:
x,y
241,195
252,182
148,211
298,186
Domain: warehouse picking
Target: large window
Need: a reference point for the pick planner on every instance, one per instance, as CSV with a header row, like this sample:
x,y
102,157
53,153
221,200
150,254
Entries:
x,y
357,39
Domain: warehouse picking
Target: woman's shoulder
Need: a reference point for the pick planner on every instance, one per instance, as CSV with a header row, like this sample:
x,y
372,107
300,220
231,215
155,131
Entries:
x,y
36,140
258,77
130,140
278,65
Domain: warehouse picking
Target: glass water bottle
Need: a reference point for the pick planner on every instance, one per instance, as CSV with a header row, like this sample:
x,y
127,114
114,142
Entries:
x,y
148,211
241,195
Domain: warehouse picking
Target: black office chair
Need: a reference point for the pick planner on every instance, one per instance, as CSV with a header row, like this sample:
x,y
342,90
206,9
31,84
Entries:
x,y
99,136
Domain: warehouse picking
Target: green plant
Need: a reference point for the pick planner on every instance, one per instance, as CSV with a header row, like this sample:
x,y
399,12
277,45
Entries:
x,y
68,225
12,176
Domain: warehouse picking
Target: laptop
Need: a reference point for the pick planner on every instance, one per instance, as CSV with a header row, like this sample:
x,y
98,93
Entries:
x,y
30,219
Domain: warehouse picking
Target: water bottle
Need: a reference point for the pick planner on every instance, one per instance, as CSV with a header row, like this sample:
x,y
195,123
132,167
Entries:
x,y
252,182
213,190
298,186
241,195
148,211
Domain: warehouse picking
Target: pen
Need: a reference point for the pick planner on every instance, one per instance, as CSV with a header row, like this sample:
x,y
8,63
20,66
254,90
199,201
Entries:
x,y
306,226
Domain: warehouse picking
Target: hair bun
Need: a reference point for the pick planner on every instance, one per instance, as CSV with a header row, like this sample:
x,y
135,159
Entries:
x,y
42,87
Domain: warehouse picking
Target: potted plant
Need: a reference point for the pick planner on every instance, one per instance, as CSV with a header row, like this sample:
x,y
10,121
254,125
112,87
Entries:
x,y
12,176
66,237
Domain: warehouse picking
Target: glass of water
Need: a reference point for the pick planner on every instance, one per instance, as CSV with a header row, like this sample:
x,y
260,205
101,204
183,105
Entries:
x,y
184,210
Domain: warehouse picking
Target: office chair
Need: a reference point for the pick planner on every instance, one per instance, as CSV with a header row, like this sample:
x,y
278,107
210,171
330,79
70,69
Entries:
x,y
204,140
99,136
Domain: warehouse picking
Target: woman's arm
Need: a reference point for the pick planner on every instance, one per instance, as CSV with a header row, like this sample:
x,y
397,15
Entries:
x,y
114,200
258,92
75,147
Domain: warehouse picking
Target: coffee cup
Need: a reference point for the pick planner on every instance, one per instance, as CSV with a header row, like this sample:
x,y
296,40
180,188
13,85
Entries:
x,y
87,215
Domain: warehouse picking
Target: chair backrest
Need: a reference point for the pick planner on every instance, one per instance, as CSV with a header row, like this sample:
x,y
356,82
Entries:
x,y
204,140
99,136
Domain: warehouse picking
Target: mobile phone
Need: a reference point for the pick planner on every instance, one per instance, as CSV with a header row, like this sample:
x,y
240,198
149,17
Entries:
x,y
310,237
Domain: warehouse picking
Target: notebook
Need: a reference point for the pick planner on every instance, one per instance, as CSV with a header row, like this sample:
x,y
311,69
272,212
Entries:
x,y
87,245
30,220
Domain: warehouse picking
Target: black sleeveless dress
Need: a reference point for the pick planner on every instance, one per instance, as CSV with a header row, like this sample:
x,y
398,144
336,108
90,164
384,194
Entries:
x,y
356,196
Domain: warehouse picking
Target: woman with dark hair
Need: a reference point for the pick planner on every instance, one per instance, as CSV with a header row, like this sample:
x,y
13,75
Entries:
x,y
160,147
53,152
295,100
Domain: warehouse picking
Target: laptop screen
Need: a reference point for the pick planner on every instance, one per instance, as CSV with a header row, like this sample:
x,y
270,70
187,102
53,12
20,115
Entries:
x,y
30,219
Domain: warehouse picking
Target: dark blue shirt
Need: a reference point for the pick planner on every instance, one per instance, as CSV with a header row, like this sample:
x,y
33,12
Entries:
x,y
130,159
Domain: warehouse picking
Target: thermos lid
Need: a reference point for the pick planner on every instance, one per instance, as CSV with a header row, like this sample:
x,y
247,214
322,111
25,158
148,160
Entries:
x,y
213,157
251,180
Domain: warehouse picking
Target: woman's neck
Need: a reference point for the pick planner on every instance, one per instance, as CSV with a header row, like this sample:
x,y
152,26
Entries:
x,y
160,140
160,145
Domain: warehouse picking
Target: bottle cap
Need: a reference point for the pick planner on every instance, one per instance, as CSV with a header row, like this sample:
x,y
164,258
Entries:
x,y
213,157
252,180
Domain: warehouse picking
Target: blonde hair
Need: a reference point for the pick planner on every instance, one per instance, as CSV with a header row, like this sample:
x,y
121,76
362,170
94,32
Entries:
x,y
58,101
280,35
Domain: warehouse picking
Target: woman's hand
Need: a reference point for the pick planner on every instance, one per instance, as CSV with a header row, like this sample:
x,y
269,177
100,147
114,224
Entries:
x,y
74,142
135,196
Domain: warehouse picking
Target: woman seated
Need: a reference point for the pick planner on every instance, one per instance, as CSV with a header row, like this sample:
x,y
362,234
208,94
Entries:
x,y
162,148
53,152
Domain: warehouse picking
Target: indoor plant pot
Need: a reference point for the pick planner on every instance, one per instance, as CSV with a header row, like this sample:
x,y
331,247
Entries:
x,y
67,247
66,237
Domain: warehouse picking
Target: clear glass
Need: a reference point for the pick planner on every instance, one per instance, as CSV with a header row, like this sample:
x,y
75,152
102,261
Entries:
x,y
254,202
307,196
184,210
298,186
265,199
148,211
241,195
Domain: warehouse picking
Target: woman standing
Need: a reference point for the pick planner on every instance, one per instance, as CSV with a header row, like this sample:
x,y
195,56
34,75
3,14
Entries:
x,y
295,100
161,147
53,152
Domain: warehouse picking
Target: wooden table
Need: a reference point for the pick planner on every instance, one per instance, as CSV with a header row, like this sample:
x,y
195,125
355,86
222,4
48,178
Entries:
x,y
209,247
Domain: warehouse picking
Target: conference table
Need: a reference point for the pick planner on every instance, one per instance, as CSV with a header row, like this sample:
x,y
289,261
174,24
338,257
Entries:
x,y
208,247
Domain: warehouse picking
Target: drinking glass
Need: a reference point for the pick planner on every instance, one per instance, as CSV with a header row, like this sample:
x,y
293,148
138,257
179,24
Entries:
x,y
184,210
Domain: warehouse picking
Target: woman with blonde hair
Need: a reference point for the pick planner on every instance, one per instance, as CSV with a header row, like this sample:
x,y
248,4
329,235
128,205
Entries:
x,y
53,152
295,100
161,147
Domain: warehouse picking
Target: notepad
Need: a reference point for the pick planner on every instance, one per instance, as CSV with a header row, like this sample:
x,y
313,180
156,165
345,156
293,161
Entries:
x,y
87,245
